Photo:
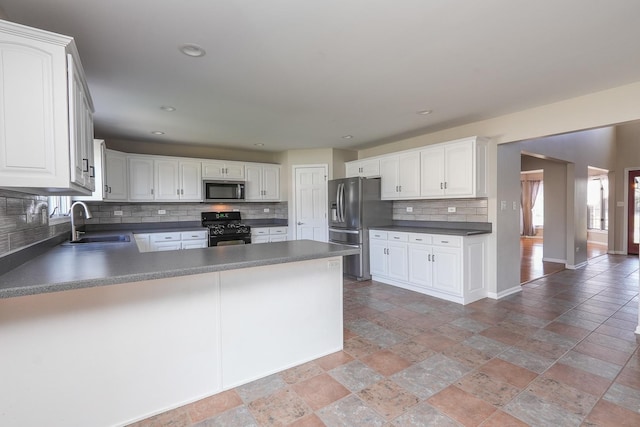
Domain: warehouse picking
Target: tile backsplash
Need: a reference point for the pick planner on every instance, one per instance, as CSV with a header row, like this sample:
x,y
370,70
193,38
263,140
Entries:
x,y
466,210
24,221
134,213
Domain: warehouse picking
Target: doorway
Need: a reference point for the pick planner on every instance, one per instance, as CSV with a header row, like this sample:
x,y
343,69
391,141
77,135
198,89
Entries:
x,y
633,213
310,201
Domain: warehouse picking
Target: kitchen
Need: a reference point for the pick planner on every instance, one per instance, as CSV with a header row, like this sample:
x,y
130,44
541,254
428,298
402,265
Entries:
x,y
510,128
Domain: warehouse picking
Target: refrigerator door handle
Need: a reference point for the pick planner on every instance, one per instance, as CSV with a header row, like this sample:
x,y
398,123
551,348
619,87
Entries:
x,y
341,202
337,230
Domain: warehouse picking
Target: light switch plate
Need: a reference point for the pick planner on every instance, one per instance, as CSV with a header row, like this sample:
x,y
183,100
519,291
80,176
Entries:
x,y
451,209
409,208
266,209
162,212
117,213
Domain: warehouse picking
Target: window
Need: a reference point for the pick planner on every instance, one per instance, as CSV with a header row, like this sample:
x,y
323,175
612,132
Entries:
x,y
598,203
538,207
59,205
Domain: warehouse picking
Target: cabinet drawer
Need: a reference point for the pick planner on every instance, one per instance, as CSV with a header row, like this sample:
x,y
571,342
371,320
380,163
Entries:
x,y
424,239
278,230
398,237
165,237
449,241
263,231
379,235
194,235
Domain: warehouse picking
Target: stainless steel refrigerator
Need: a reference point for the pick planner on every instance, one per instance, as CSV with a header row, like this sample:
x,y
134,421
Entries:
x,y
354,207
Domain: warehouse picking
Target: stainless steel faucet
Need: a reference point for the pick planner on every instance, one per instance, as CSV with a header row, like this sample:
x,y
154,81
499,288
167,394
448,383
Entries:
x,y
75,234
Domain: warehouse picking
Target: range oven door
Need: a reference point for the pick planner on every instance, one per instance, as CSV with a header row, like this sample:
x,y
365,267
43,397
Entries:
x,y
230,239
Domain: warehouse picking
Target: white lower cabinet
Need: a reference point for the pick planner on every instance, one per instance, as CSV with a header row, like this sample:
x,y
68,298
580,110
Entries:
x,y
172,241
268,234
448,267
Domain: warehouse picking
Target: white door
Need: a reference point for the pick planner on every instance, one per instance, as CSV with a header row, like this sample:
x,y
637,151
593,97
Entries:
x,y
311,203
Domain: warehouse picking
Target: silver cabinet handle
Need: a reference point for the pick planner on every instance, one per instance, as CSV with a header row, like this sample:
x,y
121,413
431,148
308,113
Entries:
x,y
178,191
429,257
85,162
182,191
400,188
152,191
433,257
445,185
441,186
93,172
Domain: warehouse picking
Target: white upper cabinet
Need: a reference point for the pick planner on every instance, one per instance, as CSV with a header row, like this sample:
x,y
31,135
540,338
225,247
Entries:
x,y
263,182
216,169
46,125
141,178
166,179
191,180
400,176
115,176
454,169
365,168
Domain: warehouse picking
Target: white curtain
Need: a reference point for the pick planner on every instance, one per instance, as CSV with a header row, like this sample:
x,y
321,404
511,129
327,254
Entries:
x,y
528,194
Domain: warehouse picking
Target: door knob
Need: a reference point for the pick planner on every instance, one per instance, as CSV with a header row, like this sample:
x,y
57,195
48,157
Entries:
x,y
300,223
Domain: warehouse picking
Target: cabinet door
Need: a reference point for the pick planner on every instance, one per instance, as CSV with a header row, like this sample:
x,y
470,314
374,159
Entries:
x,y
115,176
409,175
378,257
370,168
447,270
389,177
352,169
271,183
166,179
76,125
166,246
397,260
432,172
190,181
234,170
420,265
277,238
142,241
253,187
194,244
212,169
260,239
140,178
459,169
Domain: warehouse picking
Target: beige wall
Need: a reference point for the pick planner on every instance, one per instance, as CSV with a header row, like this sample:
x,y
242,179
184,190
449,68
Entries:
x,y
627,158
613,106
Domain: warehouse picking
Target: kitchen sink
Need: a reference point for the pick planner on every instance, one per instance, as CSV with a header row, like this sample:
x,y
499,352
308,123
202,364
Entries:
x,y
104,239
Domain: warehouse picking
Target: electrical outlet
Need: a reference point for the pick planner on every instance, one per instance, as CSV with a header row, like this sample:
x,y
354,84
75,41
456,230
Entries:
x,y
162,212
451,209
266,210
409,208
117,213
503,205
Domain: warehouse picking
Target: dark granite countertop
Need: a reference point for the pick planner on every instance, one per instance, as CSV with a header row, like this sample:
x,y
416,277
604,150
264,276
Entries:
x,y
74,266
433,230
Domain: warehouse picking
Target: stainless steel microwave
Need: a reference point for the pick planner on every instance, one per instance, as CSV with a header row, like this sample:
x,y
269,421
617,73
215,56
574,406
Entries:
x,y
222,191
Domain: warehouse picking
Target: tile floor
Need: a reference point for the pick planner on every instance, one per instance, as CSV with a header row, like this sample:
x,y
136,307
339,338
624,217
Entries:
x,y
560,353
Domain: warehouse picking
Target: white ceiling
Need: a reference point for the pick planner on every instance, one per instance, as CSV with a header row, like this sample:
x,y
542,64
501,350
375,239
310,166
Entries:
x,y
303,73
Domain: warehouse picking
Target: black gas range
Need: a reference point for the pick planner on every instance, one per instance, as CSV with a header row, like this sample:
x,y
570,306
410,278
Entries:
x,y
226,228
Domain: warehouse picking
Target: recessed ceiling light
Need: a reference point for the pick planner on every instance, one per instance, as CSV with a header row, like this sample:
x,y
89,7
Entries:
x,y
192,50
168,108
347,137
157,132
425,112
259,144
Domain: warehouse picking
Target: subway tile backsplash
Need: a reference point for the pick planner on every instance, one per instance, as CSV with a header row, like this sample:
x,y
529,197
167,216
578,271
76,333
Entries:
x,y
138,213
24,221
466,210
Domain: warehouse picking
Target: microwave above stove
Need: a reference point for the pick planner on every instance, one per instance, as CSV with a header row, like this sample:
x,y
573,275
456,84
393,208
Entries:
x,y
222,191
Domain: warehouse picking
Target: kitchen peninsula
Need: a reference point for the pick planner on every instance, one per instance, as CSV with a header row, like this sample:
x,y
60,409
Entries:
x,y
126,335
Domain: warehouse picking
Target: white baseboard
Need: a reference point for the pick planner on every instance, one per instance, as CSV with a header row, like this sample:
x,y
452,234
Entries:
x,y
505,293
557,260
575,267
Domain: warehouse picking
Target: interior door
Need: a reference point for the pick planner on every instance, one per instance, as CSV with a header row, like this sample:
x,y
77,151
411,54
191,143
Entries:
x,y
633,205
311,203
